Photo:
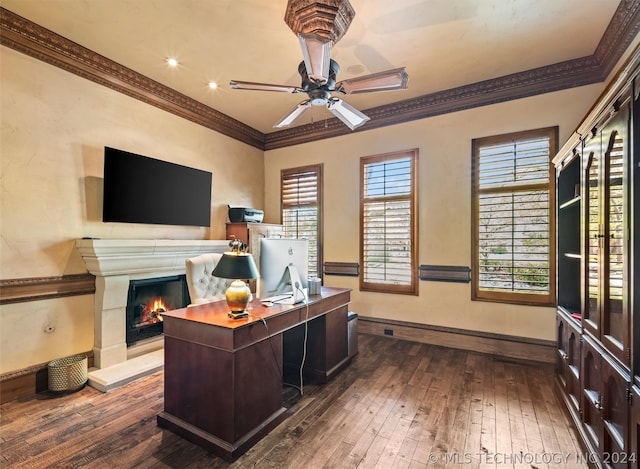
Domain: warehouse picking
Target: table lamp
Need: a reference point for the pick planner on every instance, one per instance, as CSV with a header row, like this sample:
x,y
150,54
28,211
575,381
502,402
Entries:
x,y
240,266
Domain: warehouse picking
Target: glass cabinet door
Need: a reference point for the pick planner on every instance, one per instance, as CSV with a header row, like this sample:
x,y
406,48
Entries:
x,y
606,290
593,236
615,305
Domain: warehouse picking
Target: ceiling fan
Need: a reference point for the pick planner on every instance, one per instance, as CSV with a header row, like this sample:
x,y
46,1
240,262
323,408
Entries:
x,y
319,74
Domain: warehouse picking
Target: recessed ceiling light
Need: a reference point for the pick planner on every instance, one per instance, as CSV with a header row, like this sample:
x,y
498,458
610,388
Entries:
x,y
212,85
172,62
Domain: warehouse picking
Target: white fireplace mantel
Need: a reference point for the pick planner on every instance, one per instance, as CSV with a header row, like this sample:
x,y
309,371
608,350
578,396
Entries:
x,y
105,257
115,262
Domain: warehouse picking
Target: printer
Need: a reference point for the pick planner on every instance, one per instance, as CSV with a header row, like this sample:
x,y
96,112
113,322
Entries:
x,y
244,214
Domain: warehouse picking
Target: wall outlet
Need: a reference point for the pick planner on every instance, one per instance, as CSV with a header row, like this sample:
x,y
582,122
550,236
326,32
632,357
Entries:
x,y
388,332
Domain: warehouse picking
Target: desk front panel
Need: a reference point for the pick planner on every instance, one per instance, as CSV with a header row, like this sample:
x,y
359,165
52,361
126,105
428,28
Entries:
x,y
225,394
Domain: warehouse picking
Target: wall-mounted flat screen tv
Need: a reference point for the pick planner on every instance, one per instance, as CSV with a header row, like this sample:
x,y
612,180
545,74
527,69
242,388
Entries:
x,y
140,189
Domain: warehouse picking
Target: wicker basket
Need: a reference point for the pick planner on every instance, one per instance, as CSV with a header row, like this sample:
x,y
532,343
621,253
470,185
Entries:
x,y
68,374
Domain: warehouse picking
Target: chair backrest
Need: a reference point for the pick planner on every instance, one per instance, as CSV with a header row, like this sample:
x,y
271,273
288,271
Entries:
x,y
204,287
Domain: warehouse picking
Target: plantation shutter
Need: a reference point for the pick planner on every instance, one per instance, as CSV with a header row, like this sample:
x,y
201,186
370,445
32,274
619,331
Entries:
x,y
300,201
513,192
388,250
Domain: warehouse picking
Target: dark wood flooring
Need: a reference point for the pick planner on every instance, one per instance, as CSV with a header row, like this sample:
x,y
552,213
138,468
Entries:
x,y
399,405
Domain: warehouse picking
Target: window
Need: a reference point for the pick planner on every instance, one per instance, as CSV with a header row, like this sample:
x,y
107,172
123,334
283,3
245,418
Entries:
x,y
301,203
388,226
513,217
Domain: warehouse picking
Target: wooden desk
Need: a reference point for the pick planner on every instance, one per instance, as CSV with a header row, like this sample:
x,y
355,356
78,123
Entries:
x,y
223,377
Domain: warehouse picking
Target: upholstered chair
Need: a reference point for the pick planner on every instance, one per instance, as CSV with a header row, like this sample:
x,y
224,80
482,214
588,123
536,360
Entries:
x,y
204,287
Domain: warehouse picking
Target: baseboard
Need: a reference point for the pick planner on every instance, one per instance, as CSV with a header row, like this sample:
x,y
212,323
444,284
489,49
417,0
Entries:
x,y
28,381
512,347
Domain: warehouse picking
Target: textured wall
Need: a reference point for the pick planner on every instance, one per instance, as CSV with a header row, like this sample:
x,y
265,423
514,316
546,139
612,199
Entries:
x,y
54,129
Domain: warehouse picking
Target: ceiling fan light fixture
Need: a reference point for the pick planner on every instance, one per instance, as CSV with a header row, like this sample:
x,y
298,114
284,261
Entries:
x,y
349,115
328,19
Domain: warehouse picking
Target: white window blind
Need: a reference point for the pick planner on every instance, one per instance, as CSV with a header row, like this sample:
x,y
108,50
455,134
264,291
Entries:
x,y
513,194
300,192
388,251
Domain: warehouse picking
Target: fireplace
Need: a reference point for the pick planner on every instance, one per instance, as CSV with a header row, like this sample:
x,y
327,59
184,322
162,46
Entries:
x,y
147,300
117,262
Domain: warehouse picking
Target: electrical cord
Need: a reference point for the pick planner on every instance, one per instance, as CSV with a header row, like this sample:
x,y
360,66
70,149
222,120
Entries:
x,y
306,334
304,345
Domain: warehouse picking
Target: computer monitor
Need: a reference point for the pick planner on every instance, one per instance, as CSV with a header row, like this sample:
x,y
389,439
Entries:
x,y
282,260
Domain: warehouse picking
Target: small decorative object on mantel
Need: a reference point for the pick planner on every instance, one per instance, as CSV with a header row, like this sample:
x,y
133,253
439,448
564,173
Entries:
x,y
239,265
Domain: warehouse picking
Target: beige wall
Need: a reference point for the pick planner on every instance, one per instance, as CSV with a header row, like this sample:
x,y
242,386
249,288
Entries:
x,y
444,143
54,129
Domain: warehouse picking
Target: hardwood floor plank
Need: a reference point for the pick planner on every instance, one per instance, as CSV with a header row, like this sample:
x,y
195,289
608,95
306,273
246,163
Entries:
x,y
370,459
399,405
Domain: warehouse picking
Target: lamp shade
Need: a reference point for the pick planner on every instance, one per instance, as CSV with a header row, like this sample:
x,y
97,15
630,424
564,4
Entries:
x,y
236,265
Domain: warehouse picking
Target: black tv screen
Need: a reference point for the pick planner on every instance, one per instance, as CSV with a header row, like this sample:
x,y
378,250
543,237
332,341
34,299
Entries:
x,y
139,189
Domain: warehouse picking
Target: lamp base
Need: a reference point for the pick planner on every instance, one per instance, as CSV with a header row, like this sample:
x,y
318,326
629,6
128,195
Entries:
x,y
238,314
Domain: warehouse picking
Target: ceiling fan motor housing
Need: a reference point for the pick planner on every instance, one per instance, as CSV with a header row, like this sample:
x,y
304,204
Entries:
x,y
319,94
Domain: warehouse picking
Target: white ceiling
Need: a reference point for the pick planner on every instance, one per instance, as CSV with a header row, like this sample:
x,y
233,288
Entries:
x,y
442,43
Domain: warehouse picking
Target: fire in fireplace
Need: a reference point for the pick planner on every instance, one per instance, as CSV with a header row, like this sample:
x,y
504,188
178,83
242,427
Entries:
x,y
147,300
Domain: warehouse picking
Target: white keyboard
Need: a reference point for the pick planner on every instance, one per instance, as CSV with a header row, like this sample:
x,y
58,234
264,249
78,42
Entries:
x,y
277,298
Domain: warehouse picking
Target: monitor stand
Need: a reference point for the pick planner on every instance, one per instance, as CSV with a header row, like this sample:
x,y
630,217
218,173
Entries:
x,y
298,294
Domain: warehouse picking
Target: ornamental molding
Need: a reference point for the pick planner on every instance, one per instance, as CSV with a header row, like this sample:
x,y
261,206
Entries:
x,y
32,39
38,42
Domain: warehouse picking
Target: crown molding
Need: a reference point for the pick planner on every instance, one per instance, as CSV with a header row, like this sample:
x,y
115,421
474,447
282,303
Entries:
x,y
31,39
595,68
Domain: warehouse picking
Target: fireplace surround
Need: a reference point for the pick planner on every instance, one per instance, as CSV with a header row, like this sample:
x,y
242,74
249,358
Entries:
x,y
115,262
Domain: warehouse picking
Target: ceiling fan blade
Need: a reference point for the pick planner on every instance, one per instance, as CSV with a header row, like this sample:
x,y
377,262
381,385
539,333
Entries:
x,y
388,80
349,115
248,85
317,55
294,115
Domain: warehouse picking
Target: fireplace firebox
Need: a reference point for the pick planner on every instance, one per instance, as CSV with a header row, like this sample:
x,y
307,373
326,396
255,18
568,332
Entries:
x,y
147,299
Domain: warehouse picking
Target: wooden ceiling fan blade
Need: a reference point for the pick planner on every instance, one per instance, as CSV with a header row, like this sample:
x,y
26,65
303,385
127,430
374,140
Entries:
x,y
389,80
349,115
249,85
317,56
294,114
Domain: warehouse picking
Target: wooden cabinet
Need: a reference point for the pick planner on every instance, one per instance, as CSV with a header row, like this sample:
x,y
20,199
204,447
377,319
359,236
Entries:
x,y
606,406
569,358
598,197
251,233
607,164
